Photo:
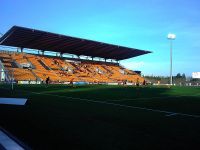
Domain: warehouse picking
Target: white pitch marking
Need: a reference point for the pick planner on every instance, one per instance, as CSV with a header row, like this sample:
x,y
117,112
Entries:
x,y
173,114
169,113
146,98
114,104
13,101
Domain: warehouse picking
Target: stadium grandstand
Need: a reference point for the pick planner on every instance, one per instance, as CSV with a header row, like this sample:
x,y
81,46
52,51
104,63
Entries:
x,y
25,67
99,116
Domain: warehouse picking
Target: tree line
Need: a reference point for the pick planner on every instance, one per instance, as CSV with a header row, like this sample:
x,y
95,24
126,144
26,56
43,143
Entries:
x,y
179,79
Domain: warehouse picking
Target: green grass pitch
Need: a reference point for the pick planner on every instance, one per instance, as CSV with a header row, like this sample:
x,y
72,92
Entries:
x,y
102,117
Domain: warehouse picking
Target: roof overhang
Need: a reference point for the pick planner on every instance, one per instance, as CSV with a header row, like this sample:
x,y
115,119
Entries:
x,y
35,39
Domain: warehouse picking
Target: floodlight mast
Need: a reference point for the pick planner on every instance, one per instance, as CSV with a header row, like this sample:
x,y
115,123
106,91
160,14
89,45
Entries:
x,y
171,37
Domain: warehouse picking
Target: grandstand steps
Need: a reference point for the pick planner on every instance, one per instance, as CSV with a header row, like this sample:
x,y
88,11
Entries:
x,y
108,70
127,71
56,76
50,63
32,66
130,72
22,74
34,60
16,65
103,69
60,70
89,70
59,66
40,71
44,74
43,64
62,65
13,63
19,58
77,78
37,78
74,66
7,63
15,70
92,78
70,65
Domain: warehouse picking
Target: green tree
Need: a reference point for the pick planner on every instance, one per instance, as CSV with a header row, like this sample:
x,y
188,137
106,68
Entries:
x,y
178,75
183,76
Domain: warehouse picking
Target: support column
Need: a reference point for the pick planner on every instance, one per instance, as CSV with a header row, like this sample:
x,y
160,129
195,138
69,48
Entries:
x,y
171,82
21,49
61,54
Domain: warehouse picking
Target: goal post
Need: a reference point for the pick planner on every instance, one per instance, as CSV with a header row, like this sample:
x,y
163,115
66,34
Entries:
x,y
7,78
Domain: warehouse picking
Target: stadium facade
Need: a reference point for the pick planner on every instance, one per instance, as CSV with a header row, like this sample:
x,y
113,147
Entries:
x,y
35,68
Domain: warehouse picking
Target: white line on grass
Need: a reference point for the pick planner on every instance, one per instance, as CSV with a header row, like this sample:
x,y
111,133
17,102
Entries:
x,y
171,114
168,113
146,98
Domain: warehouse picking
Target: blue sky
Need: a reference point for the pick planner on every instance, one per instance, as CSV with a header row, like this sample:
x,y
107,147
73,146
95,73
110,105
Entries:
x,y
142,24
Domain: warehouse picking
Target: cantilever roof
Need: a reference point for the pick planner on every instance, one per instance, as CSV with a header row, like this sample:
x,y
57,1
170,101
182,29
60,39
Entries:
x,y
42,40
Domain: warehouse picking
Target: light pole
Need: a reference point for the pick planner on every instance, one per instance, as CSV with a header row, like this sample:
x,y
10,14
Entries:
x,y
171,37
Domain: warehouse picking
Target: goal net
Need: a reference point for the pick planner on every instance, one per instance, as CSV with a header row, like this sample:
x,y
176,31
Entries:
x,y
6,78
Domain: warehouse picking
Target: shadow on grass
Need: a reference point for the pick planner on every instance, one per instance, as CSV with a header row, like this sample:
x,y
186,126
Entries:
x,y
51,122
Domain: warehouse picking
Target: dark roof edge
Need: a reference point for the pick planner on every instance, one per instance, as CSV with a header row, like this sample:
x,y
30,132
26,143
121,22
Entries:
x,y
15,26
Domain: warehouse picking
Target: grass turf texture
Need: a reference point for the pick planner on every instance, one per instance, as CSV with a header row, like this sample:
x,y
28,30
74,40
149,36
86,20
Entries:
x,y
52,120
